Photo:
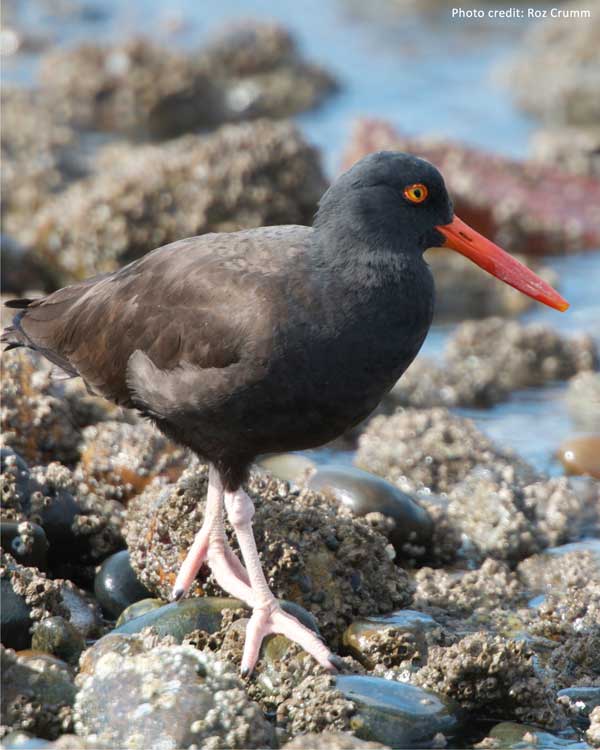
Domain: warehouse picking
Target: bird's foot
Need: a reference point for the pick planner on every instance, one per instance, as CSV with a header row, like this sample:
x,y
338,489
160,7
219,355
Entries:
x,y
194,560
225,566
271,618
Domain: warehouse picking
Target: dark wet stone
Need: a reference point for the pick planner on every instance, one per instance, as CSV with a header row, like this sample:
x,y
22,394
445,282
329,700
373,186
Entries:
x,y
80,517
26,542
137,609
59,517
14,618
84,612
293,467
36,700
58,636
581,455
54,508
116,585
391,639
512,735
178,619
365,493
396,713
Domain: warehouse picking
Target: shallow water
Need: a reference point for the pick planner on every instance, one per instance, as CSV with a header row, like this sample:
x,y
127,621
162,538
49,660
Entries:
x,y
535,421
424,73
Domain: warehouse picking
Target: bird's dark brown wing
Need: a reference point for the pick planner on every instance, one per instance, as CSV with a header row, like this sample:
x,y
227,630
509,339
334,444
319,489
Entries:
x,y
165,325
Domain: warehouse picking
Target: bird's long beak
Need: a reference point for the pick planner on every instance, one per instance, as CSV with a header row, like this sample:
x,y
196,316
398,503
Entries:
x,y
493,259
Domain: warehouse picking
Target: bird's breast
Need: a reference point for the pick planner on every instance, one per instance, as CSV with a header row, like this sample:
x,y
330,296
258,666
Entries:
x,y
349,355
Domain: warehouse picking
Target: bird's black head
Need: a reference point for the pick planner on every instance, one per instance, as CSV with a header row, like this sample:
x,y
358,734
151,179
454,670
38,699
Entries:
x,y
389,207
388,200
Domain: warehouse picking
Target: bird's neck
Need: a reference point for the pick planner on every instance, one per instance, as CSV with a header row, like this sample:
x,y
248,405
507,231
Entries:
x,y
363,257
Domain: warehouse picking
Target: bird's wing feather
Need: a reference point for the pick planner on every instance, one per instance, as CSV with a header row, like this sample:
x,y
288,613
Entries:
x,y
164,324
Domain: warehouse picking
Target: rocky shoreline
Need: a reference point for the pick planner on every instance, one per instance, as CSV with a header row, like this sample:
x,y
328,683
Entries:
x,y
458,585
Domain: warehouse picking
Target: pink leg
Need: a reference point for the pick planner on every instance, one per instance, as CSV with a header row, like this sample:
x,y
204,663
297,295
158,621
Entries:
x,y
267,615
211,545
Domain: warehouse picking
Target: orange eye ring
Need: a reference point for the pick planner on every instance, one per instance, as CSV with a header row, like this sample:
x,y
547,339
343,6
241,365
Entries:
x,y
416,193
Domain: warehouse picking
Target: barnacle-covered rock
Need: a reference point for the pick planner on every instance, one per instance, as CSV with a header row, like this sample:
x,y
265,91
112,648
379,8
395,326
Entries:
x,y
142,89
498,505
35,421
313,552
431,448
558,568
42,597
576,661
399,640
593,732
242,176
258,68
38,159
477,594
175,696
572,609
21,270
135,87
81,518
130,455
427,384
404,521
574,148
521,356
509,519
486,360
37,696
570,94
491,675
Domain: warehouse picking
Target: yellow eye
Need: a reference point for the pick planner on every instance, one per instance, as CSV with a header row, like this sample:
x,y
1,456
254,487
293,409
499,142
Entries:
x,y
416,193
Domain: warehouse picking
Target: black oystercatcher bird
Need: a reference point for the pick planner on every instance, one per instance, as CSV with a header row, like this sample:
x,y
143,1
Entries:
x,y
271,339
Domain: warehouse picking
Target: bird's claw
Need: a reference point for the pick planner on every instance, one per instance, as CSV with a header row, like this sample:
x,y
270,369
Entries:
x,y
271,619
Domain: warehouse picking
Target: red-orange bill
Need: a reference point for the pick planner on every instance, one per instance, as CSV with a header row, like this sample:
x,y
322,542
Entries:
x,y
493,259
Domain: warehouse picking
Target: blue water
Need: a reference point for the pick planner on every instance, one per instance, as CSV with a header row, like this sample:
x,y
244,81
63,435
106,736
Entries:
x,y
424,73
